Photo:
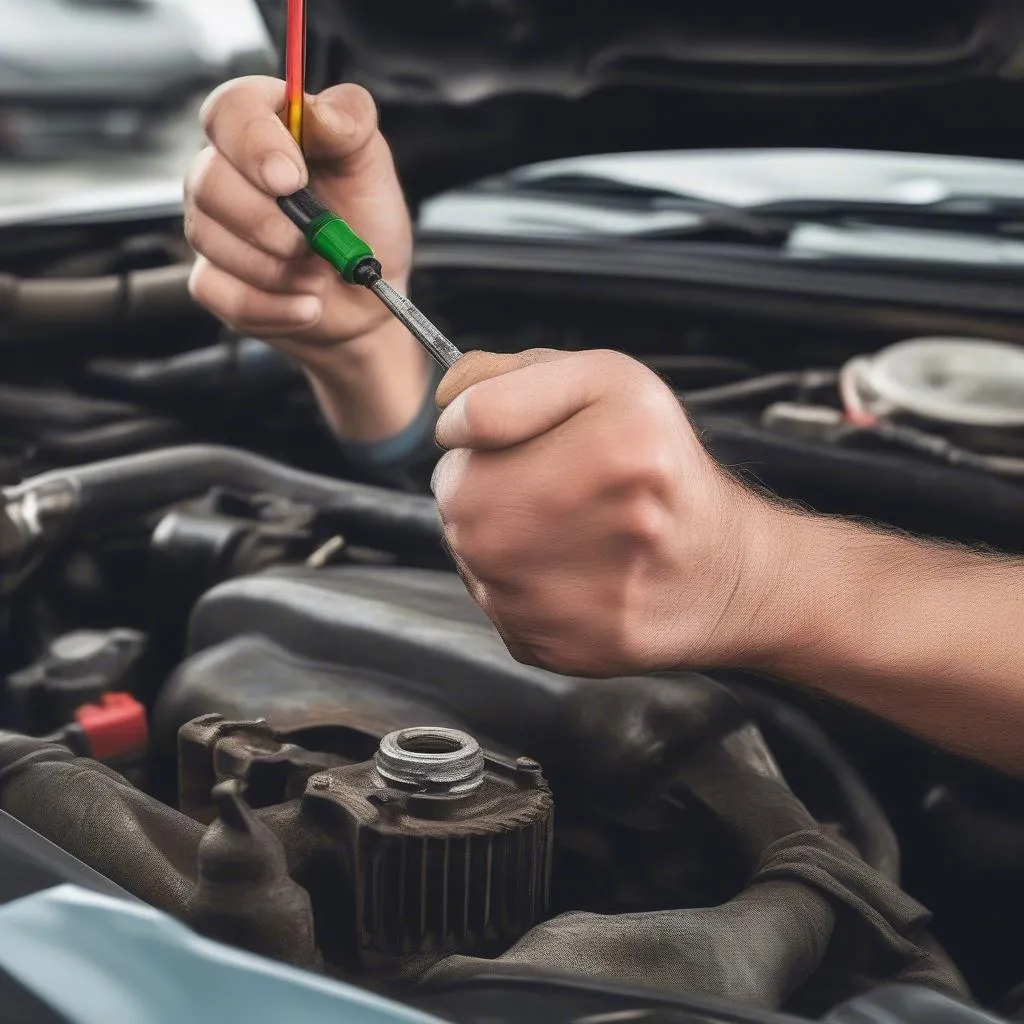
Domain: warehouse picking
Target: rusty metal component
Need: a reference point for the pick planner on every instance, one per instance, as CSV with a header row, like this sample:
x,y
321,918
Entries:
x,y
212,751
451,848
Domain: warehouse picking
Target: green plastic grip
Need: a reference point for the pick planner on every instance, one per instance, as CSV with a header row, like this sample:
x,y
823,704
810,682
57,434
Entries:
x,y
330,237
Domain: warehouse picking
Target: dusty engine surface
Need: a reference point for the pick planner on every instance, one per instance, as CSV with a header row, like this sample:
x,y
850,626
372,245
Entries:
x,y
249,690
335,829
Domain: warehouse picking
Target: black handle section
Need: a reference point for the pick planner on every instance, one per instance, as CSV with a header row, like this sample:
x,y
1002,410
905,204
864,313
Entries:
x,y
302,208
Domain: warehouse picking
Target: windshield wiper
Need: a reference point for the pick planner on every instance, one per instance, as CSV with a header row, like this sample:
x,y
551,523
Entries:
x,y
985,214
774,221
714,221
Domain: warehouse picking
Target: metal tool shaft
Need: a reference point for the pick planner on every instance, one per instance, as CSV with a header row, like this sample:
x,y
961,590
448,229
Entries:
x,y
439,347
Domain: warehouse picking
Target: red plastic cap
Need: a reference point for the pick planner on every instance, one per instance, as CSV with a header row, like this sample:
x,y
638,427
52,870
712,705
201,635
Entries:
x,y
115,727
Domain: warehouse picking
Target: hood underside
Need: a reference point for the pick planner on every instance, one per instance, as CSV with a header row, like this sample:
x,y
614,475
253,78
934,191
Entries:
x,y
468,87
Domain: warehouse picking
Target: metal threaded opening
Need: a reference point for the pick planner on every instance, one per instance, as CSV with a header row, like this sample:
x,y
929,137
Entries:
x,y
429,743
431,758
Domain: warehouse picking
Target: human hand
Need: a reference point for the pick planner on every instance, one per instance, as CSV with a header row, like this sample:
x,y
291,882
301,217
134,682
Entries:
x,y
591,525
254,270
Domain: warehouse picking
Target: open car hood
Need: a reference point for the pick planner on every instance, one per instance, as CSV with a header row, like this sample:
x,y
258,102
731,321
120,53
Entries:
x,y
503,82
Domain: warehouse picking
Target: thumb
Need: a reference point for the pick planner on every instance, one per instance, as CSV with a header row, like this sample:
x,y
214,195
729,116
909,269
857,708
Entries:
x,y
341,122
475,367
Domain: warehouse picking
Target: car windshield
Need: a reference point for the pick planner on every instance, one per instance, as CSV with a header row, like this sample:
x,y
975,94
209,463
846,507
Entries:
x,y
101,96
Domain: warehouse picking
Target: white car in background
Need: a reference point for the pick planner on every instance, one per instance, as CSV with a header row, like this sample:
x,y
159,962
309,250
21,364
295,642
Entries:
x,y
98,73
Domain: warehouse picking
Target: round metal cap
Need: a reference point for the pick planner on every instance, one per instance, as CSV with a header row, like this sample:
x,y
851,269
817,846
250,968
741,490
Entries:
x,y
429,757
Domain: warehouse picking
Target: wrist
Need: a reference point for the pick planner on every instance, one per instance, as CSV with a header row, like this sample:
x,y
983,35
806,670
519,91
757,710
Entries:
x,y
769,607
840,597
372,386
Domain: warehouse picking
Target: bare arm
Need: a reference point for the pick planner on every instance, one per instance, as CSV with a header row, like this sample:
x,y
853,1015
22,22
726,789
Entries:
x,y
596,531
928,636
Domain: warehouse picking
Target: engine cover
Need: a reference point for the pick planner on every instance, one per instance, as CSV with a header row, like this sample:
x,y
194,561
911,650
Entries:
x,y
376,649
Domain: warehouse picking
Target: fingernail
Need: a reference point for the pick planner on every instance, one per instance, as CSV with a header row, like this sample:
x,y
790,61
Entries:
x,y
336,120
281,175
307,309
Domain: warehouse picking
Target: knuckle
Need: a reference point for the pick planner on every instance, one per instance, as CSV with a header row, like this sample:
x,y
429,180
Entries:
x,y
204,189
475,416
214,105
268,272
203,289
197,282
238,93
363,103
193,229
483,550
448,489
232,307
612,365
527,654
647,465
270,233
657,469
645,524
357,103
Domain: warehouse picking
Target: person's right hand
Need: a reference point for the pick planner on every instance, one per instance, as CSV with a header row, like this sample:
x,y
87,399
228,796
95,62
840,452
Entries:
x,y
254,270
590,523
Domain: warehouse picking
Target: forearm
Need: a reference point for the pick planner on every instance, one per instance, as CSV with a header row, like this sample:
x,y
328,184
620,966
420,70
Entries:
x,y
928,636
371,387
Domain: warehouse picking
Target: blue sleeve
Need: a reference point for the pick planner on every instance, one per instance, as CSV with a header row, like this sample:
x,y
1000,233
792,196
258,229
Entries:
x,y
405,460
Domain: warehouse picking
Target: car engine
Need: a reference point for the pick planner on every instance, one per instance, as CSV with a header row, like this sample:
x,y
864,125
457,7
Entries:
x,y
241,680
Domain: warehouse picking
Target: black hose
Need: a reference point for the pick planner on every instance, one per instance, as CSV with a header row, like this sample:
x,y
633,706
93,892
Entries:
x,y
70,307
57,409
117,490
870,829
247,365
109,440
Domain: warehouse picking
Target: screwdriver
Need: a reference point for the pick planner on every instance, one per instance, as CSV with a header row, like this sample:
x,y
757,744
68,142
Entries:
x,y
330,237
325,232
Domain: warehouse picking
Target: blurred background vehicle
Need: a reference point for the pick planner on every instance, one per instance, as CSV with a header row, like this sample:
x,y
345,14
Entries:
x,y
106,90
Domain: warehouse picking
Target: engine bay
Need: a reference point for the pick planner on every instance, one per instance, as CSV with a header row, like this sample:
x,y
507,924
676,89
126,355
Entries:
x,y
242,682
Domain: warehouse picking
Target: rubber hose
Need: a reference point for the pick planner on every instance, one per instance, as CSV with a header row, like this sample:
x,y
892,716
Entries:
x,y
870,829
248,364
33,307
132,486
50,408
109,440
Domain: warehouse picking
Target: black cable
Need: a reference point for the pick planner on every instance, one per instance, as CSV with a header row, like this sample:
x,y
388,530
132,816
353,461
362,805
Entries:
x,y
758,389
117,490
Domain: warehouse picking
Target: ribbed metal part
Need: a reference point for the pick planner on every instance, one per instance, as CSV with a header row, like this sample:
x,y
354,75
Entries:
x,y
449,850
469,893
